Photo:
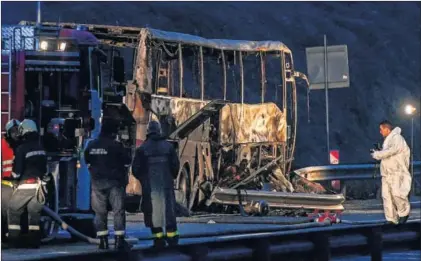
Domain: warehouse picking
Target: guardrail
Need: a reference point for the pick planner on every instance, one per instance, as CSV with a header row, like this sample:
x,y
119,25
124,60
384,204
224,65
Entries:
x,y
346,172
321,243
228,196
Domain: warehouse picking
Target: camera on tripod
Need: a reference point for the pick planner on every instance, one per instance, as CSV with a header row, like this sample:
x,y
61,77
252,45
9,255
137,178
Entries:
x,y
377,147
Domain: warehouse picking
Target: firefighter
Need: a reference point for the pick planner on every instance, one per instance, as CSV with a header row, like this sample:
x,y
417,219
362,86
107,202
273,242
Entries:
x,y
29,168
108,162
156,165
9,144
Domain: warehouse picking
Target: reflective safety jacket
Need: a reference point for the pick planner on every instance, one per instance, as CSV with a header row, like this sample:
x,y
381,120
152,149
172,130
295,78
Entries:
x,y
7,157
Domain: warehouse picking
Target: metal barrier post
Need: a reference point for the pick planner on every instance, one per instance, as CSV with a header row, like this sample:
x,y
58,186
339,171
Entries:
x,y
375,243
261,250
198,253
321,247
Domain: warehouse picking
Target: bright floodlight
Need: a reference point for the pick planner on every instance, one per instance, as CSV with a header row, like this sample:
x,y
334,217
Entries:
x,y
43,45
62,46
409,109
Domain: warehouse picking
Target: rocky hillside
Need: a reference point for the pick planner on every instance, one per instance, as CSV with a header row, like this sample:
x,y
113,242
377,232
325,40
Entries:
x,y
383,42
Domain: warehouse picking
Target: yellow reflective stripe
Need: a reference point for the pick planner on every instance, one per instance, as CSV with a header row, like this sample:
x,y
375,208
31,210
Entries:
x,y
119,232
172,234
33,227
102,233
7,183
158,235
13,227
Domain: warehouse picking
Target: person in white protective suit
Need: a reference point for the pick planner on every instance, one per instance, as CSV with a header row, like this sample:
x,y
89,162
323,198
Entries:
x,y
396,178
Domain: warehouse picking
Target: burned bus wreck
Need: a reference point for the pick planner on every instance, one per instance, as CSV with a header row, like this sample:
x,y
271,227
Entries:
x,y
230,108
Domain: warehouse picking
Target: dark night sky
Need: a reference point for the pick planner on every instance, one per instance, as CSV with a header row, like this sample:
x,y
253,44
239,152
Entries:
x,y
383,41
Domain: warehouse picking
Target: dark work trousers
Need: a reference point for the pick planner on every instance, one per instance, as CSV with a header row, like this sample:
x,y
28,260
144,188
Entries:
x,y
6,194
115,197
24,198
159,212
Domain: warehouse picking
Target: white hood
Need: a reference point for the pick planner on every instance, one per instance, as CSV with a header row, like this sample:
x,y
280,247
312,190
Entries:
x,y
396,130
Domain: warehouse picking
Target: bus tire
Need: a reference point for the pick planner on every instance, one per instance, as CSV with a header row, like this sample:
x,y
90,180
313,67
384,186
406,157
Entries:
x,y
182,195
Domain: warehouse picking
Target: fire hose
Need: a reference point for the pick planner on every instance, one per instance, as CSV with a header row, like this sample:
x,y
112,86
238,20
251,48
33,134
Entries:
x,y
321,221
41,198
231,232
73,231
90,240
70,229
287,226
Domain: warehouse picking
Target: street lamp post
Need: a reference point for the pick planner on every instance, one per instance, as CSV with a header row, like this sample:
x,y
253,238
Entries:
x,y
410,110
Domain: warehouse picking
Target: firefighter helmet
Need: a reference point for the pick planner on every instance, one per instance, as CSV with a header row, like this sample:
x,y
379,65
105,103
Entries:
x,y
10,124
154,127
27,126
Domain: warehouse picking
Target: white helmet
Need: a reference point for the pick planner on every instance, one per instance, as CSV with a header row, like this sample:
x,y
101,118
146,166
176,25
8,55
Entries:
x,y
27,126
10,124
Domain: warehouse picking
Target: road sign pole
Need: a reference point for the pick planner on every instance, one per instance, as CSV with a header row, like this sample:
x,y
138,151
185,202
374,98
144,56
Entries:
x,y
412,156
327,98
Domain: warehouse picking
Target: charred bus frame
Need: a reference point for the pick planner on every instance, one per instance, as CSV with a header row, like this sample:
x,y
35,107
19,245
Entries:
x,y
157,46
190,181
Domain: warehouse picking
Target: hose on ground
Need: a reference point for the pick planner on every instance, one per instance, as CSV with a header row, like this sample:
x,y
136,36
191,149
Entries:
x,y
233,232
248,220
52,236
362,222
73,231
210,215
368,222
70,229
40,195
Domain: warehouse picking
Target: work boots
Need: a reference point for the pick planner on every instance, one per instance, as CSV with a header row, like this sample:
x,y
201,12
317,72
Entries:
x,y
103,242
172,241
33,239
16,240
402,220
121,244
159,243
172,237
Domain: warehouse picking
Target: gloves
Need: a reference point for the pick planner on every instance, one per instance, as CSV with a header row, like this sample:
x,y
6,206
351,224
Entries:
x,y
47,177
375,155
15,175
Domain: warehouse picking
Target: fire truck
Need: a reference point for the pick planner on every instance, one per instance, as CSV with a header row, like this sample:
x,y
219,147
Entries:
x,y
52,75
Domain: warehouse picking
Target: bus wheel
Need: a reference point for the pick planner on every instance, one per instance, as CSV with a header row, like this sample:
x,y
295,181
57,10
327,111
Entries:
x,y
182,195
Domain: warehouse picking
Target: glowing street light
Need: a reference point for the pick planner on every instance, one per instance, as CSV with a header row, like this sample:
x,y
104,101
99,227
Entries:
x,y
410,110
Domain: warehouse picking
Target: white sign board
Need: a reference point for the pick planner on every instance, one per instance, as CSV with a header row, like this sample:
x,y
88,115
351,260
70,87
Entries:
x,y
337,67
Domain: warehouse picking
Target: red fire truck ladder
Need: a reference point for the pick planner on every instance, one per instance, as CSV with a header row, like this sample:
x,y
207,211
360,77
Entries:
x,y
5,91
6,88
13,38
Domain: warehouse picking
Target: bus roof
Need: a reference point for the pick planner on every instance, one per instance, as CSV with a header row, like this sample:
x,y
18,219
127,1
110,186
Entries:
x,y
221,44
128,35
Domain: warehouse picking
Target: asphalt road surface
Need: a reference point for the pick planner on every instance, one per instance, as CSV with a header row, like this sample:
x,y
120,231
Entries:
x,y
387,256
355,211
